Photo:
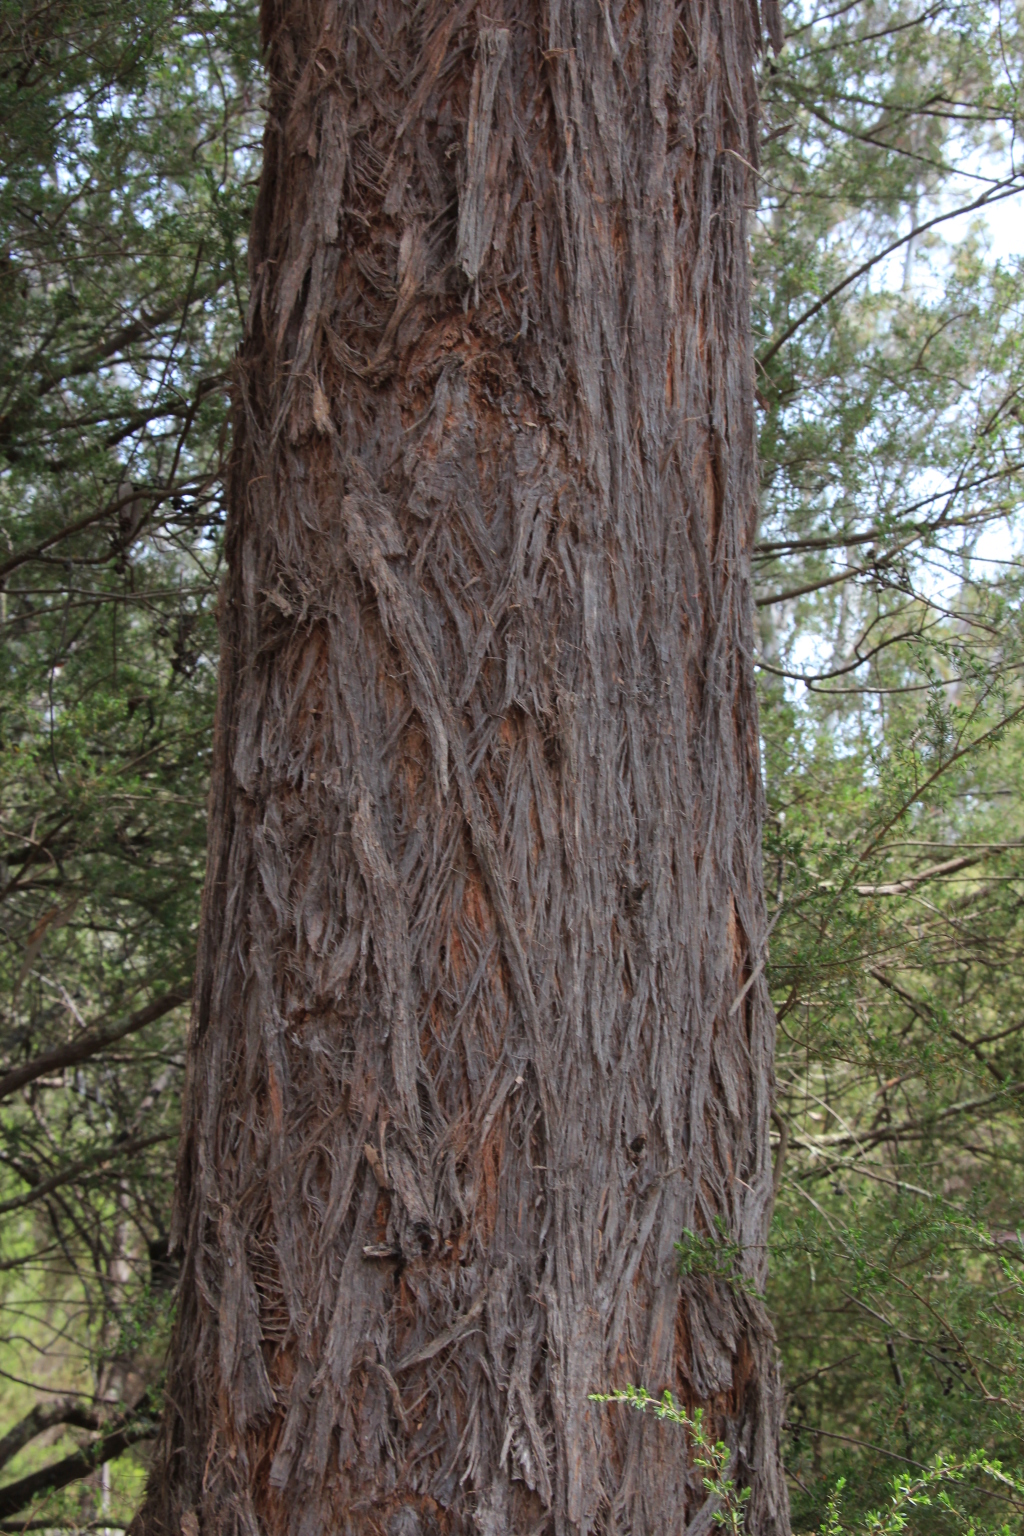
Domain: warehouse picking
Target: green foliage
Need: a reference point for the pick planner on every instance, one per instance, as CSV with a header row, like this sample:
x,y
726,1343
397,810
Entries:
x,y
711,1456
891,650
127,136
717,1255
930,1489
909,1493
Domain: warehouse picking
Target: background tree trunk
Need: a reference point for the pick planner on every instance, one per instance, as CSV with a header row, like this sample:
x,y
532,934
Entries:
x,y
480,1023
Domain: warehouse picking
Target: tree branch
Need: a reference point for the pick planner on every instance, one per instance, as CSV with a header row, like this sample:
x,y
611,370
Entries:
x,y
44,1416
878,532
909,1127
878,564
995,195
67,1175
943,767
91,1043
910,882
16,1495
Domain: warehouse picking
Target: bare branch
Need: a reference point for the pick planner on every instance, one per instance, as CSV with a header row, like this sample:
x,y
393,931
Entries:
x,y
91,1043
67,1175
16,1495
1002,190
909,882
44,1416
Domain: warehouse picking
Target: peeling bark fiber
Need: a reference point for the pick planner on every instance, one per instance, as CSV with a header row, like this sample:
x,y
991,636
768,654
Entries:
x,y
480,1023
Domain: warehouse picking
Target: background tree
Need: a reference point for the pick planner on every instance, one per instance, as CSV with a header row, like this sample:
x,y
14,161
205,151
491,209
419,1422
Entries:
x,y
889,592
124,136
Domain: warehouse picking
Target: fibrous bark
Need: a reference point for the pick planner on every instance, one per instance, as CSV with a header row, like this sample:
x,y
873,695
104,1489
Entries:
x,y
480,1023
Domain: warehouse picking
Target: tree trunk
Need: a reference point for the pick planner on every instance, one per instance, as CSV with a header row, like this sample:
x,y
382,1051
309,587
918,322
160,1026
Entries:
x,y
481,1024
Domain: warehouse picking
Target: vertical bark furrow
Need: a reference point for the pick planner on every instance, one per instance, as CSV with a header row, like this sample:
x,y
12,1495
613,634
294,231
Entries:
x,y
484,886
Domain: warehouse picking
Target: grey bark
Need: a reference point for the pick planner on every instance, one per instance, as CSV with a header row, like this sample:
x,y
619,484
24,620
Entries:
x,y
484,880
